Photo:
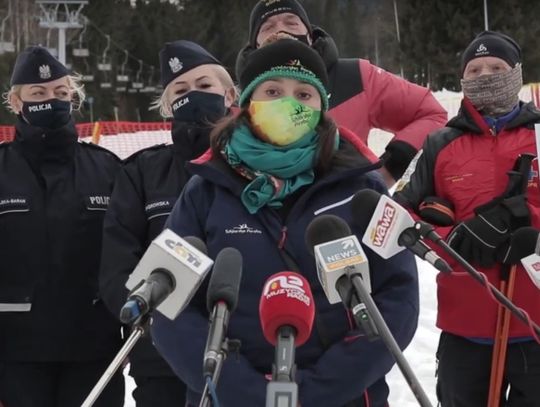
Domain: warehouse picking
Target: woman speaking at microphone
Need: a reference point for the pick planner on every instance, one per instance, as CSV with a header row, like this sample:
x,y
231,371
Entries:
x,y
272,168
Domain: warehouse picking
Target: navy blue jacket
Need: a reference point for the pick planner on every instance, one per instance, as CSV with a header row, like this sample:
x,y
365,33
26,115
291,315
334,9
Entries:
x,y
335,366
54,193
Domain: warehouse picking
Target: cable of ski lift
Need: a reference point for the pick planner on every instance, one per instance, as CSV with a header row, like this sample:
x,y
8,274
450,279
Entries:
x,y
105,64
6,46
81,51
149,88
137,85
121,76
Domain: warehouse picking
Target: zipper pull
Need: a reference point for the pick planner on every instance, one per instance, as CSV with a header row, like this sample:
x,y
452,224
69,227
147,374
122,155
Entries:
x,y
281,243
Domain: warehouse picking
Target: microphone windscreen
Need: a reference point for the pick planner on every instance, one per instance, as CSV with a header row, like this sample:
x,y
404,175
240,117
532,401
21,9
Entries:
x,y
287,301
325,228
225,280
522,244
363,206
197,244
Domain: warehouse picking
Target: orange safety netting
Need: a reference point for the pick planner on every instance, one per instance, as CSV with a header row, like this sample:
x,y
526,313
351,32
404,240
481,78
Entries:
x,y
98,129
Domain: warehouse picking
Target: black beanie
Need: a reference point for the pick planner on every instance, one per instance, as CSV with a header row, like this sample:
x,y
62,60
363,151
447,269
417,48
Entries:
x,y
492,44
37,65
179,57
264,9
283,58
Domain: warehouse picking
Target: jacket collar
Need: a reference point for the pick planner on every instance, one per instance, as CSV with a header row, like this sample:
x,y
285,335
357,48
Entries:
x,y
469,119
40,145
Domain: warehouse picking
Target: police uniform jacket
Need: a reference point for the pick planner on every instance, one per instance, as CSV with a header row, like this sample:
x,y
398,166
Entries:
x,y
144,194
54,193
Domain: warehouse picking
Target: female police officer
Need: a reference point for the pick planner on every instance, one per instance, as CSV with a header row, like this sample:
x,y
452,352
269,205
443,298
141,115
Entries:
x,y
57,337
197,91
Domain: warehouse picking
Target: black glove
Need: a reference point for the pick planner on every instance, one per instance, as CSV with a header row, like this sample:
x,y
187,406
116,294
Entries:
x,y
484,239
397,157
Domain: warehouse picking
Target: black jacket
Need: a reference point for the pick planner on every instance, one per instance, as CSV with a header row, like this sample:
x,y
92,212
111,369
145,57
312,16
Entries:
x,y
53,195
144,194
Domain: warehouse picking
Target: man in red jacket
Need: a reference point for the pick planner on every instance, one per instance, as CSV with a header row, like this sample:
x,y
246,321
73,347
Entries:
x,y
362,96
464,167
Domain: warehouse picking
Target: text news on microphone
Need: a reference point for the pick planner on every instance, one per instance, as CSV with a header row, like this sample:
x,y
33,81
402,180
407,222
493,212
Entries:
x,y
230,202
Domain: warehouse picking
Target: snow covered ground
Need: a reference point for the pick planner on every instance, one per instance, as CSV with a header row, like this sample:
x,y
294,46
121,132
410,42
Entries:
x,y
421,352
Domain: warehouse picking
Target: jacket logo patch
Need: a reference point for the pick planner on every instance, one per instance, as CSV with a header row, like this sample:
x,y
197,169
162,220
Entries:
x,y
97,202
14,204
243,229
458,178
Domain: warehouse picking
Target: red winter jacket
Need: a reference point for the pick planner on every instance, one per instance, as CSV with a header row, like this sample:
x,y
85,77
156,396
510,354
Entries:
x,y
467,165
364,96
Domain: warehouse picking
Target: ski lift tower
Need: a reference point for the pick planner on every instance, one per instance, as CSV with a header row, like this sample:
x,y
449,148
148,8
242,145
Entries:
x,y
62,15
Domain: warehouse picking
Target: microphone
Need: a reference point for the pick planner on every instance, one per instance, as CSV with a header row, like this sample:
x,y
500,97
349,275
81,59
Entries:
x,y
221,301
154,284
338,257
287,301
350,287
526,241
286,311
336,251
389,228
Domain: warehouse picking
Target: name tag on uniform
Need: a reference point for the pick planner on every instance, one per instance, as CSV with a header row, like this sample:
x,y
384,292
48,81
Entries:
x,y
159,207
97,202
13,204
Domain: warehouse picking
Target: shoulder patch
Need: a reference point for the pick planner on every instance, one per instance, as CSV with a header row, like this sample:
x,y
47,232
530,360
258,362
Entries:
x,y
144,150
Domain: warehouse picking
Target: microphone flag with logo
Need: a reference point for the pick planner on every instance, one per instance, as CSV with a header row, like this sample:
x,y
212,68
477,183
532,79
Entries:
x,y
287,301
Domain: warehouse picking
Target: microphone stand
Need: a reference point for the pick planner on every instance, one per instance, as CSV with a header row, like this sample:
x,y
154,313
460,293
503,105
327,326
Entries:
x,y
139,329
427,231
282,390
387,337
227,346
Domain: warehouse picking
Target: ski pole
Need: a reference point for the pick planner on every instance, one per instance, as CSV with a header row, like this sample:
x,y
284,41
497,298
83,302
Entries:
x,y
501,343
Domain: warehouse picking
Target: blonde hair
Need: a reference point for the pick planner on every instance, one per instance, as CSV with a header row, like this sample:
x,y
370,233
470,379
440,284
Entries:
x,y
74,84
164,106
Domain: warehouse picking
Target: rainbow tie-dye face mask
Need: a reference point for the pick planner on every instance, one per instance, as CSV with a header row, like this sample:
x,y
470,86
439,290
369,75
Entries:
x,y
282,121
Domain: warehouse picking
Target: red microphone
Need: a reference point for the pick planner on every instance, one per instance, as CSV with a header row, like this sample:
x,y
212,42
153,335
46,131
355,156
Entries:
x,y
287,301
286,311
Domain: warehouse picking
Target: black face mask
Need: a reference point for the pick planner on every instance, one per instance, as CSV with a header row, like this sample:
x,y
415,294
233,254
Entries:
x,y
300,37
199,107
49,114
